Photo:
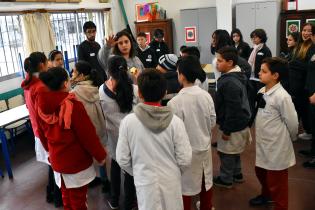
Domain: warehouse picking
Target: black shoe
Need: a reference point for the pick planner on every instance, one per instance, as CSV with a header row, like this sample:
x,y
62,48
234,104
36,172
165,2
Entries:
x,y
218,182
214,144
309,164
260,201
105,186
96,182
306,153
113,204
238,178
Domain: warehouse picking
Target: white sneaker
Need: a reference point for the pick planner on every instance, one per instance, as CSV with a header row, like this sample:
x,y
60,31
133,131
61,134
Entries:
x,y
305,136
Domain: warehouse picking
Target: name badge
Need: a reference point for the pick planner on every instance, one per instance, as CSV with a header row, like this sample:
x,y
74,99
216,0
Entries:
x,y
158,50
92,54
148,60
260,53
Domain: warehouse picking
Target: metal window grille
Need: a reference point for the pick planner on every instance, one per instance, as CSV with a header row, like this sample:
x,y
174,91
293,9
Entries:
x,y
11,44
68,28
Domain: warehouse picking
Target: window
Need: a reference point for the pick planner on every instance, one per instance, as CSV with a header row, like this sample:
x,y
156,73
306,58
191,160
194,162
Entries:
x,y
11,44
68,28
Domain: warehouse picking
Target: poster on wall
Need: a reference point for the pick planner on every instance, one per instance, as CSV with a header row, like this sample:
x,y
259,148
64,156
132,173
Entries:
x,y
190,34
292,26
148,37
312,21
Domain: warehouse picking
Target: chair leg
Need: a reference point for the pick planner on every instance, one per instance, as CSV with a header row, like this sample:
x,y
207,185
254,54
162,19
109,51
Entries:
x,y
29,128
11,141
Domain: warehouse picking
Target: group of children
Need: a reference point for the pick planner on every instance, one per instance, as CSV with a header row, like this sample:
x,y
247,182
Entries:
x,y
161,144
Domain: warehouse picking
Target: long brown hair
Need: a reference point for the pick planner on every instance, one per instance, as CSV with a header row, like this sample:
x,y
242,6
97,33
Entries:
x,y
303,46
116,50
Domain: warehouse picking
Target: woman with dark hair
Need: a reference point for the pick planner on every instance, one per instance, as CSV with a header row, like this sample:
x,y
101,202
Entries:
x,y
121,44
118,96
242,47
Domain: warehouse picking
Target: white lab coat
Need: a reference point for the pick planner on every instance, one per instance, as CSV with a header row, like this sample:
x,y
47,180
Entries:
x,y
196,108
155,160
276,127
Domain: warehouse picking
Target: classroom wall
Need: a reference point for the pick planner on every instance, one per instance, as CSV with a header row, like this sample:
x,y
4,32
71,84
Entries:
x,y
172,8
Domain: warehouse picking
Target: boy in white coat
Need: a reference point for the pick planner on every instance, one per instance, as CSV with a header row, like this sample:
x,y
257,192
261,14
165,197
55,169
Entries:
x,y
196,108
153,146
276,127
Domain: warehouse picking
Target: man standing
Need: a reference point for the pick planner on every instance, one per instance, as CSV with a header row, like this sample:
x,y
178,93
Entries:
x,y
89,48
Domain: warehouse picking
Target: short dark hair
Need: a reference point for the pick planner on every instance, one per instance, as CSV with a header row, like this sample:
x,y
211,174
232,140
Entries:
x,y
192,51
85,68
88,25
190,67
229,53
152,85
260,33
158,33
277,65
295,36
54,78
182,48
141,34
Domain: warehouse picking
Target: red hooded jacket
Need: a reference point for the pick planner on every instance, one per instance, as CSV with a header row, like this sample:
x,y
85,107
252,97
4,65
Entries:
x,y
71,138
31,92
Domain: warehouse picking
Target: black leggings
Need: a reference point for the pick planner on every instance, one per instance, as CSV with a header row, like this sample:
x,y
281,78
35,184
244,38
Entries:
x,y
129,187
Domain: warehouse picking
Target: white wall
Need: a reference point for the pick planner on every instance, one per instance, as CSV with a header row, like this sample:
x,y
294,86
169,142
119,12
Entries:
x,y
172,8
224,14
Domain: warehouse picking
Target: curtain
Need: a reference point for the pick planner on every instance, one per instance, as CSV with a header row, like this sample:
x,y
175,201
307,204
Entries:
x,y
38,33
108,24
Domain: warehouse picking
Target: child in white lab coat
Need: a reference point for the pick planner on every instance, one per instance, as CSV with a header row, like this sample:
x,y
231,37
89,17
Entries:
x,y
196,108
153,146
276,127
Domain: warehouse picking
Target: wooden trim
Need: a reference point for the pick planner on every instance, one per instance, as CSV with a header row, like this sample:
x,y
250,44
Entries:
x,y
54,11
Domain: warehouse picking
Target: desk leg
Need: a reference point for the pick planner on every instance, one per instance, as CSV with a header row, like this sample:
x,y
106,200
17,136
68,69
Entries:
x,y
6,153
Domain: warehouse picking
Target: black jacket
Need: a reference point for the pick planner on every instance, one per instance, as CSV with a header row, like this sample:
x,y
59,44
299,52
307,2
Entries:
x,y
245,66
88,51
243,50
232,107
172,84
160,48
263,53
299,71
147,57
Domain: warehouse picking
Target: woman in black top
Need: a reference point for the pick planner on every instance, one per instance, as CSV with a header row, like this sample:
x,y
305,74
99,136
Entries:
x,y
242,47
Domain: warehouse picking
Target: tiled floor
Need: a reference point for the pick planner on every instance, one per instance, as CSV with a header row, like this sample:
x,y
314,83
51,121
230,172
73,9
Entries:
x,y
27,190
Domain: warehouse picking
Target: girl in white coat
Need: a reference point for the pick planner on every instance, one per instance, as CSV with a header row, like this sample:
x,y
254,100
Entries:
x,y
196,108
276,127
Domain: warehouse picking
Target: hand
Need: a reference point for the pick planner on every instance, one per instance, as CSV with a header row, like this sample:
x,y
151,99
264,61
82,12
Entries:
x,y
312,99
102,162
110,41
225,137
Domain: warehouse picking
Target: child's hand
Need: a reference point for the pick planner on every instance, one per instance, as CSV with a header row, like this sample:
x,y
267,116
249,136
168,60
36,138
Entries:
x,y
102,162
225,137
312,99
110,41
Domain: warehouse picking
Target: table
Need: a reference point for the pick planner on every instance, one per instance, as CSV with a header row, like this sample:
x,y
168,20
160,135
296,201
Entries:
x,y
6,118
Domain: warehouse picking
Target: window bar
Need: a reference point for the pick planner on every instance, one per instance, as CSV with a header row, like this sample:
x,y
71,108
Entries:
x,y
76,15
10,46
16,41
20,31
69,47
58,29
64,34
5,57
71,37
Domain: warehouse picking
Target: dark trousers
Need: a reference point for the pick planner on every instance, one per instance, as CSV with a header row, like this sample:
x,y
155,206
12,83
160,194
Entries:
x,y
230,166
52,188
129,187
312,124
301,103
274,185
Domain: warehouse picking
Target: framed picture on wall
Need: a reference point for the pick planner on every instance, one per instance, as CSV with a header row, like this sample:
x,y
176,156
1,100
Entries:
x,y
312,21
292,26
190,34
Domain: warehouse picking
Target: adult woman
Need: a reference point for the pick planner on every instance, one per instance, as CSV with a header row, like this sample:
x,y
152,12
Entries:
x,y
121,44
